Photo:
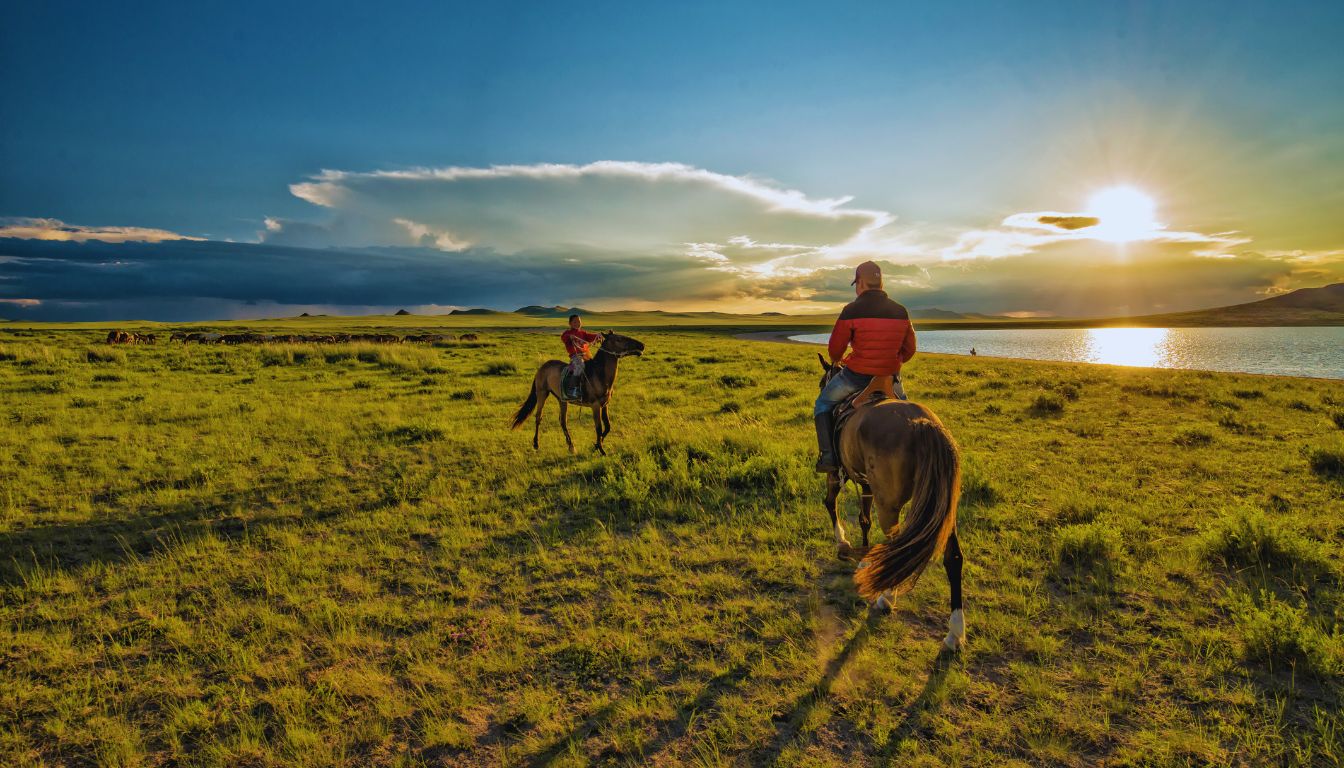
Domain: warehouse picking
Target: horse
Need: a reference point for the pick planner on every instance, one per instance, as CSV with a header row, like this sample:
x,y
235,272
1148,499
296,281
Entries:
x,y
898,451
599,381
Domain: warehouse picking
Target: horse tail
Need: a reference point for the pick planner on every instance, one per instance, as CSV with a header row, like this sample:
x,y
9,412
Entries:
x,y
897,564
525,409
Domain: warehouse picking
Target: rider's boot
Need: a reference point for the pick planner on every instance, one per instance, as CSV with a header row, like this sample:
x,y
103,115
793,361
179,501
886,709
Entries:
x,y
825,423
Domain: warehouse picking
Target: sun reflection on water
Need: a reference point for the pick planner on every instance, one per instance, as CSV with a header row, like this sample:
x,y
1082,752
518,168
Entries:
x,y
1126,346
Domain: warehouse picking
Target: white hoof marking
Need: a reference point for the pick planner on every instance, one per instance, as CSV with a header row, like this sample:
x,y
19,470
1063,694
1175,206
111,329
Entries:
x,y
956,635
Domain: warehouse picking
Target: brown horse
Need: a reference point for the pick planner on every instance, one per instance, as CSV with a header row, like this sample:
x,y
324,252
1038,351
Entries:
x,y
897,451
599,382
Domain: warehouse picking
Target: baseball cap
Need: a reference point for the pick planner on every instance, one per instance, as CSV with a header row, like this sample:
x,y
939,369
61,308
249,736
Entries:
x,y
868,270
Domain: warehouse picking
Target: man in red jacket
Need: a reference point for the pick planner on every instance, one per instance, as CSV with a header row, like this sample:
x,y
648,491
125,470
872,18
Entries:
x,y
576,346
880,337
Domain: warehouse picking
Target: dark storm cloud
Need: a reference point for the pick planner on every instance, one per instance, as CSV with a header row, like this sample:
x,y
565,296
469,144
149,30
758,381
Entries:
x,y
183,279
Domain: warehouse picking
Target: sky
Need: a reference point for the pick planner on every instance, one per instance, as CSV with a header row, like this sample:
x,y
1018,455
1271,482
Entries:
x,y
210,160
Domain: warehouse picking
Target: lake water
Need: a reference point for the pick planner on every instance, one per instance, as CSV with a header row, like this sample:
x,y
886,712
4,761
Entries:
x,y
1316,352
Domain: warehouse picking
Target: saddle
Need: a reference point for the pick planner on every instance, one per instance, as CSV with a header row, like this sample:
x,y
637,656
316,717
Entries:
x,y
879,388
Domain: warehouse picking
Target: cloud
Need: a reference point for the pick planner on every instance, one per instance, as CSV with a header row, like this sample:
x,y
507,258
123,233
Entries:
x,y
644,209
1069,222
624,235
55,229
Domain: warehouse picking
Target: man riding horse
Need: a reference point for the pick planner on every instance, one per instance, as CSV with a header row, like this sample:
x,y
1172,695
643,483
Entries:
x,y
881,339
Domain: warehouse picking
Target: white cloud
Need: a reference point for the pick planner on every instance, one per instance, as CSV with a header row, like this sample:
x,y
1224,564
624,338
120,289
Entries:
x,y
642,209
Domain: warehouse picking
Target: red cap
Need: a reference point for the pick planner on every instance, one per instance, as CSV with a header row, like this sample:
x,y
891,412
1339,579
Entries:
x,y
868,271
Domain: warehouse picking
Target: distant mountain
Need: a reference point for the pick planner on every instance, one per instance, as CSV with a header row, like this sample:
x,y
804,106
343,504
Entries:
x,y
933,313
1329,298
1305,306
475,312
402,313
534,310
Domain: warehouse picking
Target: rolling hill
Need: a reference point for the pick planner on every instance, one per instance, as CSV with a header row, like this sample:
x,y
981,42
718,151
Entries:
x,y
1305,306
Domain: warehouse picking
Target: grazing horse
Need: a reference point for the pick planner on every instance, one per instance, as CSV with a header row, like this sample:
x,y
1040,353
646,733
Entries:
x,y
897,451
599,381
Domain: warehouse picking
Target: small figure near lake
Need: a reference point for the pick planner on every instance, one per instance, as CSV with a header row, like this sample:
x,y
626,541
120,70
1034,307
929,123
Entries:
x,y
972,351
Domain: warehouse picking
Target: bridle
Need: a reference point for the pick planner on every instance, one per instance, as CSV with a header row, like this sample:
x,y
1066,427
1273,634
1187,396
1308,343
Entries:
x,y
617,355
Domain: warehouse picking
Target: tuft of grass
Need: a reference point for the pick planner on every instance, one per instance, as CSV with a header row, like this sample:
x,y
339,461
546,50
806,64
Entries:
x,y
1162,391
1093,550
734,381
1338,418
1278,634
1327,463
732,406
777,394
1046,405
463,395
1248,394
1192,437
413,433
1250,539
104,356
977,490
1237,426
1301,405
504,368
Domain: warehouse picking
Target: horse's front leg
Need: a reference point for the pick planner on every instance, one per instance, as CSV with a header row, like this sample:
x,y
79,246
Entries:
x,y
564,424
597,428
606,422
833,486
956,625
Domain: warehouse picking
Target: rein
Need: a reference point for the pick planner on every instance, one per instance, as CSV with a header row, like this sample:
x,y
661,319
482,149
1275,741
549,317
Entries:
x,y
616,355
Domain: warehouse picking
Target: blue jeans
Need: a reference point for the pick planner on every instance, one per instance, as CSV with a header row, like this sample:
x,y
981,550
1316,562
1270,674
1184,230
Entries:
x,y
844,384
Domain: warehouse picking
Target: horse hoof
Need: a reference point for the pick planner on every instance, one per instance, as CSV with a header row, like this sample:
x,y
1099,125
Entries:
x,y
843,551
881,606
956,634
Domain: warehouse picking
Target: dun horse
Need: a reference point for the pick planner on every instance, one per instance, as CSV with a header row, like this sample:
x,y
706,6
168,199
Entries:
x,y
897,452
599,383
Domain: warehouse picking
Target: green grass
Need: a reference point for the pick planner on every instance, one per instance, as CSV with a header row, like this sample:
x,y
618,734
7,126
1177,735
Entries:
x,y
340,555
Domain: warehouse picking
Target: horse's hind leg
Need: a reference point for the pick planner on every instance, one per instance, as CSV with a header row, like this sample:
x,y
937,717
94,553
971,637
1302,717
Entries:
x,y
833,486
564,425
606,422
865,512
542,393
956,625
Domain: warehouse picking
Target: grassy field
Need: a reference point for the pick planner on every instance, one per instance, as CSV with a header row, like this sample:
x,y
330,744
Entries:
x,y
339,555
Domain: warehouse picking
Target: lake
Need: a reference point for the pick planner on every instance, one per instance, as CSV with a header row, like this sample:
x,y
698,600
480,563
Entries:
x,y
1315,352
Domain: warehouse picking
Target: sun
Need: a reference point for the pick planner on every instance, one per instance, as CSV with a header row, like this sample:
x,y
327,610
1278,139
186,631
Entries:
x,y
1124,214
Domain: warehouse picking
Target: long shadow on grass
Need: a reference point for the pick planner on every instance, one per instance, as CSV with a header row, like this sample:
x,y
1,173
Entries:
x,y
673,730
142,532
928,700
791,724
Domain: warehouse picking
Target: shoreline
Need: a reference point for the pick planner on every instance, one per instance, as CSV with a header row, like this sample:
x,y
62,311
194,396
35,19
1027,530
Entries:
x,y
783,337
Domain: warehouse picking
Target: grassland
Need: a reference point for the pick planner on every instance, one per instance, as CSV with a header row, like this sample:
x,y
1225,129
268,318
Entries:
x,y
339,556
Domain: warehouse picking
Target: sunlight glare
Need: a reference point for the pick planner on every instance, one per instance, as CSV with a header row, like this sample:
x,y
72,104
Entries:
x,y
1126,346
1125,214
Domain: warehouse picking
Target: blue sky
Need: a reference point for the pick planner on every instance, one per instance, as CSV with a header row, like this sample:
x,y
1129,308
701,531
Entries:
x,y
947,119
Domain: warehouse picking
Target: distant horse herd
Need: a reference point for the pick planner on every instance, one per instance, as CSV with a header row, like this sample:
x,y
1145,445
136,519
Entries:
x,y
131,337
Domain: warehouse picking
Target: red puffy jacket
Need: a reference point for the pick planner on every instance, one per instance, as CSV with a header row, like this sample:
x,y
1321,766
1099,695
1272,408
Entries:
x,y
878,331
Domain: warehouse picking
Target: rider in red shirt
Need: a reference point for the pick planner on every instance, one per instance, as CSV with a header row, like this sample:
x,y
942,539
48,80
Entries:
x,y
576,346
880,339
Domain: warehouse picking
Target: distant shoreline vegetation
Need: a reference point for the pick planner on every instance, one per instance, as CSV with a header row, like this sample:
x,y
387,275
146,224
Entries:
x,y
1305,307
